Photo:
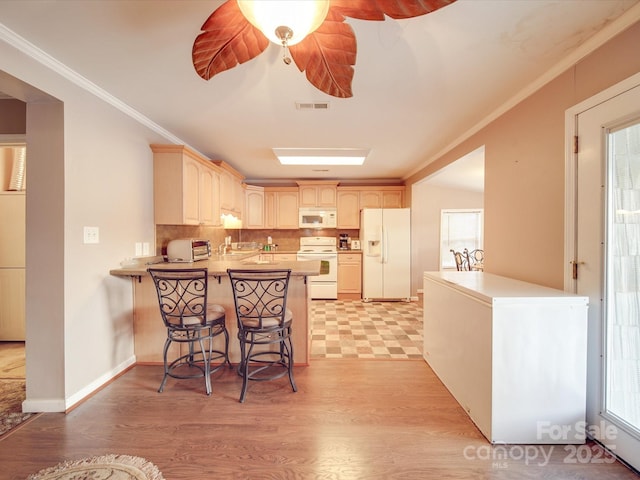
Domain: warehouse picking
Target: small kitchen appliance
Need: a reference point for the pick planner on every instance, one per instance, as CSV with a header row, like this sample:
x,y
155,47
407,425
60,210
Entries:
x,y
184,250
344,241
311,217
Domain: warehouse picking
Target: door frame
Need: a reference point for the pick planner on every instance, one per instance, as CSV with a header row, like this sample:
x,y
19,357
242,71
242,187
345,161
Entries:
x,y
571,171
629,439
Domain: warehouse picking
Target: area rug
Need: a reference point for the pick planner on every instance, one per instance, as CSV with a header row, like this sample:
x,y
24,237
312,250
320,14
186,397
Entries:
x,y
12,395
111,467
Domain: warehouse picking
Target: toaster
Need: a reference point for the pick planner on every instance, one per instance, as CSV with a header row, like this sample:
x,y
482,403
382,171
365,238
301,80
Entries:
x,y
188,250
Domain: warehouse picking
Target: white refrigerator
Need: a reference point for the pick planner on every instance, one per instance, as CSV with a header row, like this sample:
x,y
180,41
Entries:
x,y
385,235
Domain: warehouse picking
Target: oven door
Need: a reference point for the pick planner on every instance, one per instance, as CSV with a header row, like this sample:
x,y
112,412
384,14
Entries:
x,y
325,285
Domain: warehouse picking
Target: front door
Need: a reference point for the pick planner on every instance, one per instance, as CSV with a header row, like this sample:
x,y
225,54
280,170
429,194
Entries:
x,y
606,258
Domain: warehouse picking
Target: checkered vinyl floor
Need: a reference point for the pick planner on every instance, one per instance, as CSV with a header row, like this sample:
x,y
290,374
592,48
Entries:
x,y
355,329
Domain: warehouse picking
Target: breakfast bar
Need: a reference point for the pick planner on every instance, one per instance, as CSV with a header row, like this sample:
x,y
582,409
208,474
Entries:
x,y
149,330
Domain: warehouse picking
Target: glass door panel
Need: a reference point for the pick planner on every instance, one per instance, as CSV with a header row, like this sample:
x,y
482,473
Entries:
x,y
622,312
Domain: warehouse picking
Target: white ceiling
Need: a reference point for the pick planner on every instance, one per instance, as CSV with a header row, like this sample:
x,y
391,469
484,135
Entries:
x,y
420,84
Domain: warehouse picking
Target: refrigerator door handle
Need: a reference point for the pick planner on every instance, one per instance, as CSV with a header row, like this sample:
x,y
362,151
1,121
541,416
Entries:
x,y
383,237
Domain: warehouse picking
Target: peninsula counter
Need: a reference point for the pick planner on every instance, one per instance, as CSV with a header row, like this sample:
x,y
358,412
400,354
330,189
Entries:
x,y
150,332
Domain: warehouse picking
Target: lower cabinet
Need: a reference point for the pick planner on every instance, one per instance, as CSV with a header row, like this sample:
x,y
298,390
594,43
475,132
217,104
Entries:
x,y
350,273
513,354
12,304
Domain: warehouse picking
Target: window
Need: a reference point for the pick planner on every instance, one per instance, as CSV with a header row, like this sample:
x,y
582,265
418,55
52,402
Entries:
x,y
459,229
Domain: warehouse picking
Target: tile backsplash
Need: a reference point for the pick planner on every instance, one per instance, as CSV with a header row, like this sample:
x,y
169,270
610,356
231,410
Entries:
x,y
287,240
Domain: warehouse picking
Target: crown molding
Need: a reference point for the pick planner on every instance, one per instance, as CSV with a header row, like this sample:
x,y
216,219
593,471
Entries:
x,y
609,31
29,49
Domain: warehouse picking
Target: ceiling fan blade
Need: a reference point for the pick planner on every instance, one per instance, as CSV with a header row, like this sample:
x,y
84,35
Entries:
x,y
227,40
377,9
327,56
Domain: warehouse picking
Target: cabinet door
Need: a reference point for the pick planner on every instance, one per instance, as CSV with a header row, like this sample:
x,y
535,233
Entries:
x,y
393,199
206,196
215,199
349,273
191,192
370,199
348,209
239,197
12,232
326,196
12,304
227,192
308,196
287,210
254,212
270,209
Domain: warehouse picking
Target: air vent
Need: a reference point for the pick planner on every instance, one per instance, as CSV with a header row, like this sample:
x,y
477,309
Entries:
x,y
312,105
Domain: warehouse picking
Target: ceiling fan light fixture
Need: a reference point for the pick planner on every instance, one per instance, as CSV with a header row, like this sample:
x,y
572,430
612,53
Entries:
x,y
301,17
321,156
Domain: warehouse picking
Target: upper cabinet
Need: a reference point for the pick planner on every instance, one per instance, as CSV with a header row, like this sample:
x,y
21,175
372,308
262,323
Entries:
x,y
185,187
352,199
382,197
317,193
254,213
231,189
348,207
281,207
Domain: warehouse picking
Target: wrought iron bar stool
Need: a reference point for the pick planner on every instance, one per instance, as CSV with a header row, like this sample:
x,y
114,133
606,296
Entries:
x,y
182,296
264,325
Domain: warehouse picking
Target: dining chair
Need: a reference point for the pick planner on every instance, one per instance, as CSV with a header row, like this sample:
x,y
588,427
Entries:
x,y
475,259
264,325
462,263
190,321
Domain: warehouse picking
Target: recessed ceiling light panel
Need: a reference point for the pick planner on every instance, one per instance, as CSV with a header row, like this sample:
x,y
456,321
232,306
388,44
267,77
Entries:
x,y
321,156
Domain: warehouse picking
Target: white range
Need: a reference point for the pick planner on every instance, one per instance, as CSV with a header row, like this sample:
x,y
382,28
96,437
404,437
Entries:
x,y
325,285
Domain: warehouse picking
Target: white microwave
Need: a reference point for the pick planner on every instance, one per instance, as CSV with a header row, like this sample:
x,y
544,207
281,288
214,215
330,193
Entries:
x,y
318,218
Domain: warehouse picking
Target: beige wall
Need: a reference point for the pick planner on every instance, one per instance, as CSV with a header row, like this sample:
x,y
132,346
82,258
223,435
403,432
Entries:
x,y
425,224
13,117
89,164
524,165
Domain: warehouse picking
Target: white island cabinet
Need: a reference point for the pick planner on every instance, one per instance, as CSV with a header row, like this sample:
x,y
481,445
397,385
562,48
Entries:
x,y
513,354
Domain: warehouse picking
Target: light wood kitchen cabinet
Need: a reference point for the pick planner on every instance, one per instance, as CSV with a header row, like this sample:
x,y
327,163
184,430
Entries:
x,y
350,273
348,203
382,197
370,199
231,189
317,193
352,199
281,207
254,215
12,304
12,266
184,187
393,198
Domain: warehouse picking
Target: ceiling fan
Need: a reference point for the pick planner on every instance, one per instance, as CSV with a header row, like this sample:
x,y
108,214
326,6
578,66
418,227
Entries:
x,y
233,34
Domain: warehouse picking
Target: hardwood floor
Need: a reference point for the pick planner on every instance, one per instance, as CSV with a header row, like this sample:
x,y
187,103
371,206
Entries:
x,y
350,419
12,362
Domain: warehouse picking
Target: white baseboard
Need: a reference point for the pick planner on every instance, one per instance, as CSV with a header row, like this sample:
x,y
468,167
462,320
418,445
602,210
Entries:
x,y
62,405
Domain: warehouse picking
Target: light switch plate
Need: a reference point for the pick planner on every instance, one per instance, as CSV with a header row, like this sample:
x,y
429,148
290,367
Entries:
x,y
91,235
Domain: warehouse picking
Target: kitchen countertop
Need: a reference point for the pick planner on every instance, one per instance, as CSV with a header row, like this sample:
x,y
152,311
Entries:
x,y
218,265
